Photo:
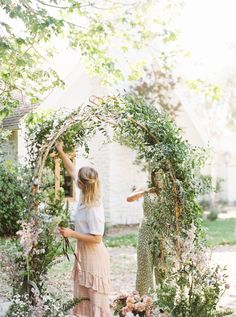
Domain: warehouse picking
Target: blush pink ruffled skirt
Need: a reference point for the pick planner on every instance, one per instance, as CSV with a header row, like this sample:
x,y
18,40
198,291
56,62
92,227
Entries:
x,y
91,277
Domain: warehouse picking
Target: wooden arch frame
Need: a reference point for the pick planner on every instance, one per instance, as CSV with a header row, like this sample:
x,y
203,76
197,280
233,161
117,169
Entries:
x,y
58,168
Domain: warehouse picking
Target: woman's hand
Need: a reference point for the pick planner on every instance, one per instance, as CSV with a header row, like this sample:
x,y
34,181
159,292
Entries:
x,y
66,232
140,193
59,146
152,190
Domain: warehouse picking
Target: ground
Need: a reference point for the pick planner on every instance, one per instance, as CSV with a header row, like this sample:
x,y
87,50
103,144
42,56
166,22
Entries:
x,y
123,271
123,262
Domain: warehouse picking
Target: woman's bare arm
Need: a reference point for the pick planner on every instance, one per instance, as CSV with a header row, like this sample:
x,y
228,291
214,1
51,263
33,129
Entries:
x,y
67,232
136,195
69,166
139,193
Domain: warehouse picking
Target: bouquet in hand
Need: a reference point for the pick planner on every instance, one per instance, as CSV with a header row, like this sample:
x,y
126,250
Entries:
x,y
64,223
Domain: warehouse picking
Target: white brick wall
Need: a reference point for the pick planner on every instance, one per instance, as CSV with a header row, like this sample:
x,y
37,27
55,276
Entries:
x,y
124,176
118,174
10,148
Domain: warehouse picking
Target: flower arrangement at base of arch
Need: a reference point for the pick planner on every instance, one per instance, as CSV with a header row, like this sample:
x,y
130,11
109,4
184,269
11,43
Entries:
x,y
133,305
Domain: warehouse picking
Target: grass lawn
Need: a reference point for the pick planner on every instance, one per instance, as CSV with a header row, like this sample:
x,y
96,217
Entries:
x,y
122,240
221,232
218,232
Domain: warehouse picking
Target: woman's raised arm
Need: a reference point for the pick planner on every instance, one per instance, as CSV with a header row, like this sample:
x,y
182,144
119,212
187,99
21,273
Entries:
x,y
69,166
139,193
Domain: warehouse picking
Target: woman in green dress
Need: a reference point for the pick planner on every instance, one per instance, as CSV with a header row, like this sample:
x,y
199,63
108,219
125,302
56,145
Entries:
x,y
147,255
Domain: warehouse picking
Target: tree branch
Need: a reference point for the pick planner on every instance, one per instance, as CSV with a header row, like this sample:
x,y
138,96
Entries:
x,y
59,7
85,115
144,128
74,24
51,5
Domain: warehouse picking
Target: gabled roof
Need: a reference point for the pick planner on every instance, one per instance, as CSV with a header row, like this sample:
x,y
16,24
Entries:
x,y
13,122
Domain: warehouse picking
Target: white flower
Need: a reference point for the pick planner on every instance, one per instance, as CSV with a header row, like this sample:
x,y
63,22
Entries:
x,y
129,314
29,235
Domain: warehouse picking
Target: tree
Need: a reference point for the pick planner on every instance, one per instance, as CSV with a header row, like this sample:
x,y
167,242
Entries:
x,y
158,87
99,30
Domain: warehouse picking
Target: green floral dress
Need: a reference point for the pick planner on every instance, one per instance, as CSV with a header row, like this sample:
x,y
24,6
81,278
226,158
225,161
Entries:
x,y
147,252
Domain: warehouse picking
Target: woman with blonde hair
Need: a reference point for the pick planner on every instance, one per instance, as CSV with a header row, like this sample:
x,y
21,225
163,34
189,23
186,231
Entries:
x,y
91,273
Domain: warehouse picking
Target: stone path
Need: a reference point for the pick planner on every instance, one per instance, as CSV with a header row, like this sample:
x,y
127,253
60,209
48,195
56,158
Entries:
x,y
4,305
226,256
227,212
124,269
123,263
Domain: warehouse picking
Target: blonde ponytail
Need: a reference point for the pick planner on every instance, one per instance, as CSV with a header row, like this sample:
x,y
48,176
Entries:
x,y
89,183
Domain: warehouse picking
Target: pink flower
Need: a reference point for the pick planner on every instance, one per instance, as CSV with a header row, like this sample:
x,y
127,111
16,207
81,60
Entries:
x,y
147,301
130,306
133,303
139,307
137,298
124,310
130,300
29,236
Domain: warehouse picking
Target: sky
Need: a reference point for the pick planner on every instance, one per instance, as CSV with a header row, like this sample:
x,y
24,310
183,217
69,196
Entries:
x,y
208,32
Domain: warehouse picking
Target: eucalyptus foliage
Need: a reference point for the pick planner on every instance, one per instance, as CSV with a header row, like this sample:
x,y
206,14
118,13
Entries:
x,y
163,150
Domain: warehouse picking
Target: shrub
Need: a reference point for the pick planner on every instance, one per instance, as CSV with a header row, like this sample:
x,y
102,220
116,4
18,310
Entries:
x,y
14,196
205,204
213,215
193,291
195,288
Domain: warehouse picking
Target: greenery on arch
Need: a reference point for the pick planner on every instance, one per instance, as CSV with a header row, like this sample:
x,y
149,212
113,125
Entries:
x,y
160,148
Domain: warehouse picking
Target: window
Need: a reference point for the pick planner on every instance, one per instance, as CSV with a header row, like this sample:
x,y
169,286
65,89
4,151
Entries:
x,y
63,179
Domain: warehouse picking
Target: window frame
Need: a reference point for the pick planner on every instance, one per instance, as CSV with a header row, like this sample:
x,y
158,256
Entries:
x,y
57,173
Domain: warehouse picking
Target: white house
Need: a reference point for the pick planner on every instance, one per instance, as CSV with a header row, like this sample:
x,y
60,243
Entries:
x,y
114,162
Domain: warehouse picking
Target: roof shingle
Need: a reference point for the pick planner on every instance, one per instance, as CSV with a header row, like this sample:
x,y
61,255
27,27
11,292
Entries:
x,y
13,122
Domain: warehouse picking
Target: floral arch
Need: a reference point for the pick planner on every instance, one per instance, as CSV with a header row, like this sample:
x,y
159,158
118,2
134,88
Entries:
x,y
159,147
